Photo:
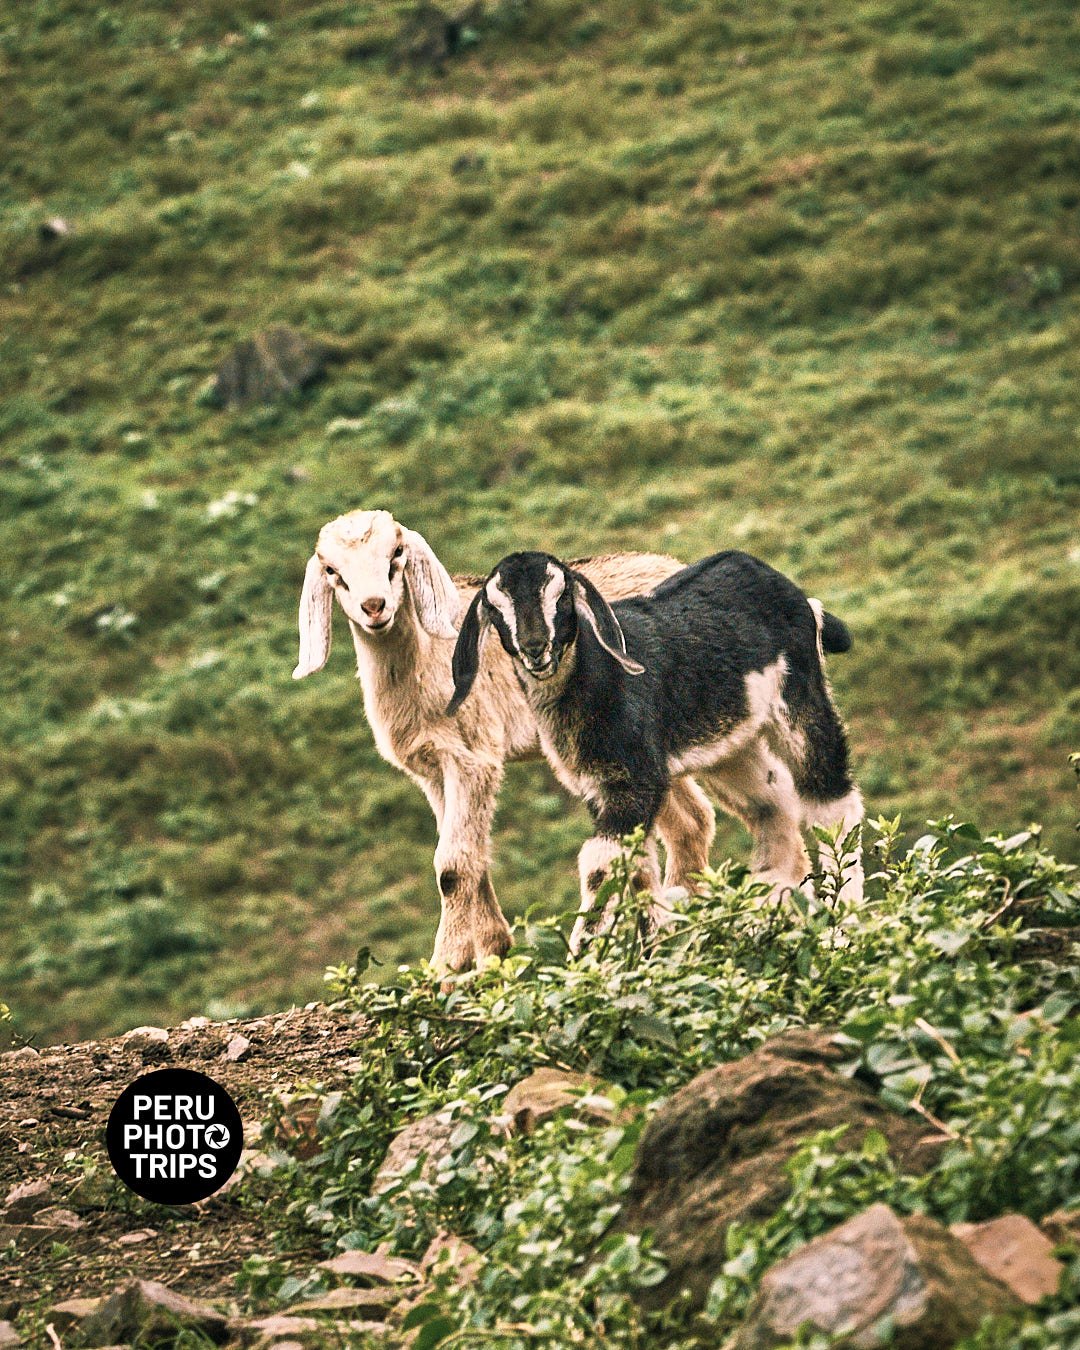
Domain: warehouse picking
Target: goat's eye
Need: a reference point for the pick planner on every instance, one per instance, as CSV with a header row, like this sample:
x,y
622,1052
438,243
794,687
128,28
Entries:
x,y
331,571
398,551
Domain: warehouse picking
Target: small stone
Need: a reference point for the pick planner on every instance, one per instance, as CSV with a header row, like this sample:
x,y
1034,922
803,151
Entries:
x,y
462,1257
548,1091
374,1303
9,1337
56,227
57,1217
237,1048
371,1266
282,1331
134,1238
194,1023
1013,1250
146,1039
26,1054
427,1138
71,1312
26,1198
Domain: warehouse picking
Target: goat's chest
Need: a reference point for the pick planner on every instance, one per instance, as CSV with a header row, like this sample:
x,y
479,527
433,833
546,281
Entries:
x,y
563,754
401,718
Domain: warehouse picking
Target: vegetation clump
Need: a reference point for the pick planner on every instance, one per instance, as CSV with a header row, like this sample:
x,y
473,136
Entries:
x,y
951,989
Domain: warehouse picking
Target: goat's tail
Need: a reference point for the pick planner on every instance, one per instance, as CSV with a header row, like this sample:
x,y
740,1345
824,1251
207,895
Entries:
x,y
832,633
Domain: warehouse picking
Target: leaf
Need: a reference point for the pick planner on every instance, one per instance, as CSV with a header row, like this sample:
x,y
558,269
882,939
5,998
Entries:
x,y
433,1332
420,1315
649,1028
948,940
464,1134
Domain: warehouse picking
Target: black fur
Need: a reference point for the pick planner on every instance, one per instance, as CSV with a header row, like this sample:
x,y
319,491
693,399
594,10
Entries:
x,y
697,636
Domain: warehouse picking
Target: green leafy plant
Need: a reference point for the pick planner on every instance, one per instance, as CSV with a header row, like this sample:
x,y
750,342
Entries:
x,y
938,983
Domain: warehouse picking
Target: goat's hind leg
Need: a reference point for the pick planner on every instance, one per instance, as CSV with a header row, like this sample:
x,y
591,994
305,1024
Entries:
x,y
686,823
757,786
846,812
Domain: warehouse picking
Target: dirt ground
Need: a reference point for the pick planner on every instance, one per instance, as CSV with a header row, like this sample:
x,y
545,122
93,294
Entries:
x,y
53,1111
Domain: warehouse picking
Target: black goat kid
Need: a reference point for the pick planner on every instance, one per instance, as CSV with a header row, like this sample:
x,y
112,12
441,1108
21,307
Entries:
x,y
718,672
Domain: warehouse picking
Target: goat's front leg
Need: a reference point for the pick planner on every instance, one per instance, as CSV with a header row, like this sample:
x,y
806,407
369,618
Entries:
x,y
472,925
613,822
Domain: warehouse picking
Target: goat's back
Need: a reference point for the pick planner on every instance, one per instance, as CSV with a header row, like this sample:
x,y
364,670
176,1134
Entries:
x,y
616,576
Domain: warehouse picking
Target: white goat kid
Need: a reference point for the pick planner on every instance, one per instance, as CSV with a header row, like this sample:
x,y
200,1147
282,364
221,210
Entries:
x,y
403,609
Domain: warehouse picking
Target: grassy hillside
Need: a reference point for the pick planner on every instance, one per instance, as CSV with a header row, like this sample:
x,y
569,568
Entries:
x,y
800,278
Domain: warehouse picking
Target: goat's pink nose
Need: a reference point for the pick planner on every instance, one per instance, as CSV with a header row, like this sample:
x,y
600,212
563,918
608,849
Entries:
x,y
373,606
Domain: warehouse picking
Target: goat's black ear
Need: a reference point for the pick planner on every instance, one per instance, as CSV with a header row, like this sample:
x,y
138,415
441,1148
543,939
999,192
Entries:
x,y
467,652
591,606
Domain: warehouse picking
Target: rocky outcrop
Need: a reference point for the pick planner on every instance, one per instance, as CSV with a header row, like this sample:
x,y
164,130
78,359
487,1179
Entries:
x,y
268,367
716,1152
877,1280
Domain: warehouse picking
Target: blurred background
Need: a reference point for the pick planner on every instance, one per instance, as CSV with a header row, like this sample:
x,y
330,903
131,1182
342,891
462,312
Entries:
x,y
797,277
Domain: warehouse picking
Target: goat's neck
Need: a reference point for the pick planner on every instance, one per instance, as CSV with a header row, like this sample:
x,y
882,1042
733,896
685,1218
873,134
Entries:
x,y
394,662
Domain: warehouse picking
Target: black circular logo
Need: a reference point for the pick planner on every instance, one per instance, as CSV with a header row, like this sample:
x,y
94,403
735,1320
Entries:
x,y
174,1136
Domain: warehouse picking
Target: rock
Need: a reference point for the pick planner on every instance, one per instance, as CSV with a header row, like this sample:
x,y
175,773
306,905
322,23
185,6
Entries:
x,y
26,1054
546,1092
448,1249
133,1239
56,227
150,1042
9,1337
877,1280
237,1048
56,1217
194,1023
268,367
26,1199
281,1331
716,1152
144,1310
1015,1252
427,1138
375,1266
371,1303
296,1127
71,1312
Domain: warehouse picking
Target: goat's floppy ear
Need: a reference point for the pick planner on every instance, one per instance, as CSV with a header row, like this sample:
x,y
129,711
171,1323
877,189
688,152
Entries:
x,y
591,606
433,590
466,664
316,603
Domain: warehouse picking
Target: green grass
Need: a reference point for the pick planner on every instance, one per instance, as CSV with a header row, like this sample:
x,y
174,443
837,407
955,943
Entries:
x,y
798,278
